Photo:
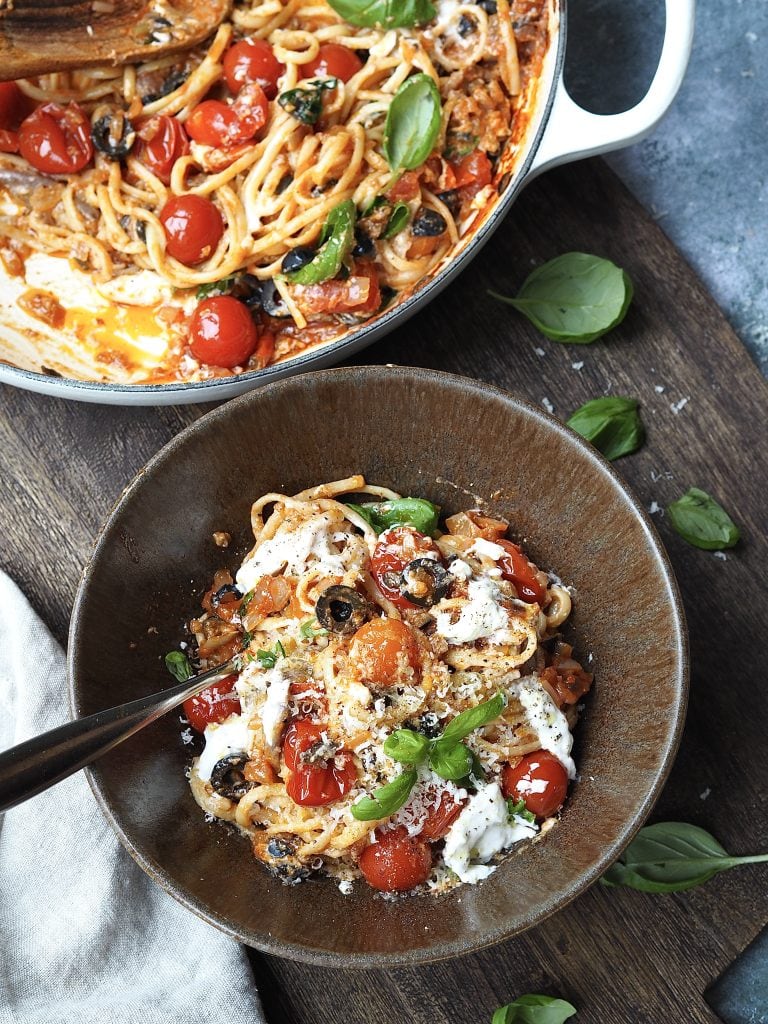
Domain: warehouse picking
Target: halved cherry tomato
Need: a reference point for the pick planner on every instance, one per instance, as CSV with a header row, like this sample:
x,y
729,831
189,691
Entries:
x,y
405,189
473,169
300,736
162,140
312,785
333,61
384,649
193,228
14,107
214,704
440,818
252,60
539,780
270,594
217,124
222,332
56,139
516,568
360,293
396,861
265,349
395,549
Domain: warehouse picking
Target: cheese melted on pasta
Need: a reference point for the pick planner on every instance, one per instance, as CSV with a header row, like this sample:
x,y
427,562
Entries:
x,y
351,627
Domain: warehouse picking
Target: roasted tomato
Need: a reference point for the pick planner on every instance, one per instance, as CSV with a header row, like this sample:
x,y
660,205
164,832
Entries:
x,y
222,332
566,677
218,124
395,549
473,169
315,784
252,60
14,107
333,61
271,594
193,228
516,568
405,189
162,140
396,861
539,780
56,139
440,818
360,293
384,650
214,704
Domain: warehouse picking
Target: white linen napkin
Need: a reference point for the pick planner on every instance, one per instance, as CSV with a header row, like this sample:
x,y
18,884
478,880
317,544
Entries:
x,y
86,937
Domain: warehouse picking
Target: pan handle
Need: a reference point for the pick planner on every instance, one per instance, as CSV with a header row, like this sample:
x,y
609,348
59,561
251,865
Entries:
x,y
573,133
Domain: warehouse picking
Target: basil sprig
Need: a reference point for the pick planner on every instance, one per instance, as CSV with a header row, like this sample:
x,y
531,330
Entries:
x,y
406,746
213,288
574,298
413,123
700,520
385,801
338,238
306,104
398,220
178,665
268,659
534,1009
386,13
419,513
611,424
473,718
672,856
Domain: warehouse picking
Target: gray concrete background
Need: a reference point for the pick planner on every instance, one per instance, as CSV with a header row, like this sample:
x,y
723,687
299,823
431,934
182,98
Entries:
x,y
704,173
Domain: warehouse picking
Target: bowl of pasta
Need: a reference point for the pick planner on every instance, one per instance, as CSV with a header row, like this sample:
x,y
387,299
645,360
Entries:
x,y
458,666
185,229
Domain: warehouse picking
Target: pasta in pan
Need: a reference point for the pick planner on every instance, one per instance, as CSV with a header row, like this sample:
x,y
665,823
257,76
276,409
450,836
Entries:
x,y
205,215
403,703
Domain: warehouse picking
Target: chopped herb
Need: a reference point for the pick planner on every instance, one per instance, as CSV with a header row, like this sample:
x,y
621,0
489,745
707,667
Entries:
x,y
519,810
178,665
223,287
312,628
460,144
268,659
247,598
306,104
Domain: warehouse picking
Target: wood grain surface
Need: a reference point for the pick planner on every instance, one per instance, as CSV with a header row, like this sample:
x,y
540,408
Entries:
x,y
618,956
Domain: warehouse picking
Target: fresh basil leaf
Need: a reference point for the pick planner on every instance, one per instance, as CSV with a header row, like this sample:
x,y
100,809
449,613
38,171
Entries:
x,y
413,123
312,628
451,761
268,659
419,513
386,13
473,718
398,220
223,287
611,424
178,665
534,1009
574,297
700,520
306,103
672,856
406,746
519,810
385,801
340,238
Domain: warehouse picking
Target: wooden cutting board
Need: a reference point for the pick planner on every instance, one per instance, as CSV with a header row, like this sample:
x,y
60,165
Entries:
x,y
619,956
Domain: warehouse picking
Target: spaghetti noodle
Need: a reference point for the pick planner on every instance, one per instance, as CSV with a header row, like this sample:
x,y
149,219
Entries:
x,y
403,704
268,130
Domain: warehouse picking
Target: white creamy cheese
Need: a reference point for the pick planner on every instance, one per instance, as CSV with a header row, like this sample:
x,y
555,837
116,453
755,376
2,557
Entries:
x,y
275,707
482,829
480,617
487,548
222,739
547,720
55,274
144,288
459,569
294,550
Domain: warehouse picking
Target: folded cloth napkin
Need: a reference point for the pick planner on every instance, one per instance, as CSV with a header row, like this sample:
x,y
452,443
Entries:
x,y
87,937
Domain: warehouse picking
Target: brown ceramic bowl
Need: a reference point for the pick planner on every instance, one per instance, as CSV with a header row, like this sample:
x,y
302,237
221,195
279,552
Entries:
x,y
423,433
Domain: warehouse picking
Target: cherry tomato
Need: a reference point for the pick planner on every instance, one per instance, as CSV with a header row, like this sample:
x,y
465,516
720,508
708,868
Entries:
x,y
193,228
162,140
265,350
217,124
56,139
516,568
440,818
312,785
222,332
396,548
473,169
333,61
396,861
539,780
14,107
384,650
214,704
359,293
252,60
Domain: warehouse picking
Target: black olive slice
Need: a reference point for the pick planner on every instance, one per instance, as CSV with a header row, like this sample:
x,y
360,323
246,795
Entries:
x,y
424,582
112,133
228,588
297,258
342,610
227,777
428,224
